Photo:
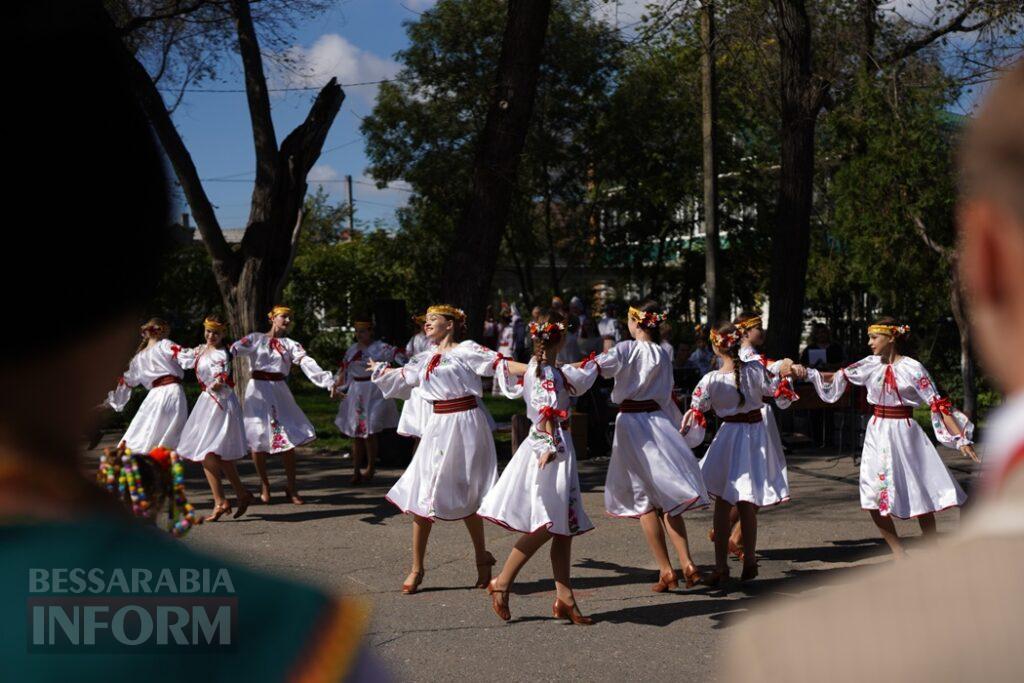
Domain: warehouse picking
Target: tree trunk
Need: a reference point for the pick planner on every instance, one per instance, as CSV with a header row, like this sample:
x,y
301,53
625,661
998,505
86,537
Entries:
x,y
963,326
800,102
474,254
709,124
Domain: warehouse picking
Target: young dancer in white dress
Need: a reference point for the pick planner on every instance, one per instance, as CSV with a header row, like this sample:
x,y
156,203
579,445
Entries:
x,y
274,423
364,412
215,432
159,365
455,464
901,473
538,494
737,468
415,409
751,330
652,475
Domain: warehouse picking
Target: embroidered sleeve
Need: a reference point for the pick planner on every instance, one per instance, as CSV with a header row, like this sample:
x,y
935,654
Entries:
x,y
247,345
939,405
700,405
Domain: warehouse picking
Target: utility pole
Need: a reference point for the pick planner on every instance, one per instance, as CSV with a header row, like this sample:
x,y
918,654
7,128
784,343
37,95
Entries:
x,y
351,208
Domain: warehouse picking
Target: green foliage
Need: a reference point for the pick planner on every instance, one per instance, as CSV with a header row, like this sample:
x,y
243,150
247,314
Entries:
x,y
187,292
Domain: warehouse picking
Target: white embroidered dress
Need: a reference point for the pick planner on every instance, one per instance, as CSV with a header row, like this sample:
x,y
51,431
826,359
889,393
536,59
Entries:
x,y
901,473
273,420
739,465
651,466
364,410
415,409
163,413
785,395
216,424
455,464
527,498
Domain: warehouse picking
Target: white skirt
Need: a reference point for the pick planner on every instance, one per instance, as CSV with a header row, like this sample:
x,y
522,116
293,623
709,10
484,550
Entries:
x,y
160,419
273,420
651,468
527,498
415,411
741,466
215,426
452,470
365,411
901,473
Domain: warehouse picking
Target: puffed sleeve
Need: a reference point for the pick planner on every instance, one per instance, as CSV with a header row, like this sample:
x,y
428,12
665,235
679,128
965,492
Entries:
x,y
700,405
855,373
940,405
185,357
543,398
246,346
611,362
481,359
510,386
398,382
579,380
317,375
122,393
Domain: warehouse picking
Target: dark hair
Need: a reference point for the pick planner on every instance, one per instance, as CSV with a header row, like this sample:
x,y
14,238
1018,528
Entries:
x,y
653,332
541,346
734,353
117,165
905,342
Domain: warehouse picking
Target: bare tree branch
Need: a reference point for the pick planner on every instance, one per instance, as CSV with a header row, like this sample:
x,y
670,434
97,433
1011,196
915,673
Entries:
x,y
954,25
264,136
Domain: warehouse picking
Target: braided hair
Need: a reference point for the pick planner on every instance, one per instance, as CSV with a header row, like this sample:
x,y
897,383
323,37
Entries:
x,y
541,344
731,347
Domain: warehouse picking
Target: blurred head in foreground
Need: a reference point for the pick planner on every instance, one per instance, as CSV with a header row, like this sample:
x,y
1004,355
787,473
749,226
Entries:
x,y
97,240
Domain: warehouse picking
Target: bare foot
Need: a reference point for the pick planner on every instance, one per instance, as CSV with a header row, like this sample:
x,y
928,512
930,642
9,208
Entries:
x,y
265,494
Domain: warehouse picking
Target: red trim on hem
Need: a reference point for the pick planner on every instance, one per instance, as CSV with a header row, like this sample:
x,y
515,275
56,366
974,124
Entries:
x,y
688,503
922,514
503,525
769,505
431,519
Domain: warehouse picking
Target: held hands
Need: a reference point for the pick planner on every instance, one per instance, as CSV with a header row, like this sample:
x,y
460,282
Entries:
x,y
545,459
371,365
687,422
969,451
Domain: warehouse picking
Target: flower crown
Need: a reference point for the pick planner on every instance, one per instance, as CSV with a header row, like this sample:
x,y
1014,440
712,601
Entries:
x,y
894,331
725,341
749,323
448,311
547,331
646,319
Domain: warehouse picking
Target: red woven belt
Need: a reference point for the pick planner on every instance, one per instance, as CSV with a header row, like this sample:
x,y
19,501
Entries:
x,y
455,405
165,380
268,376
894,412
628,406
746,418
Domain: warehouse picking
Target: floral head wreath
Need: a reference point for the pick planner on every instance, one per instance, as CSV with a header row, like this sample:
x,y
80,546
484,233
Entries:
x,y
214,325
894,331
725,341
646,319
448,312
279,310
547,332
749,323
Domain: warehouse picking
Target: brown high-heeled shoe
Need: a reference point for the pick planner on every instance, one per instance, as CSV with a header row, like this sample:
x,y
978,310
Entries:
x,y
265,496
560,610
692,575
749,572
218,512
243,505
716,577
410,588
357,478
666,581
483,572
501,610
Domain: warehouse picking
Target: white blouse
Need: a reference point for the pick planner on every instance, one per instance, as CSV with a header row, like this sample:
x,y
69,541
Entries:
x,y
440,376
642,371
277,354
903,383
161,359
